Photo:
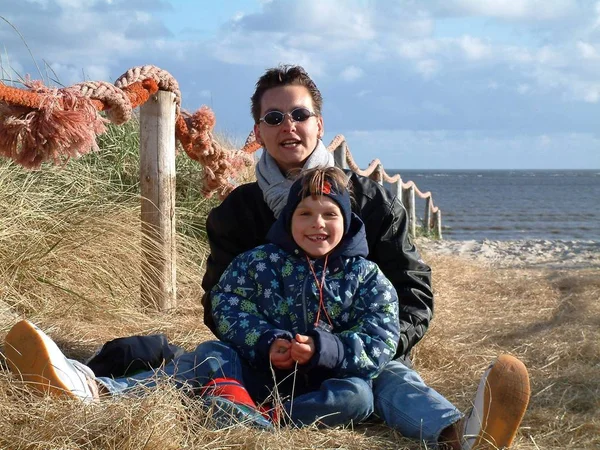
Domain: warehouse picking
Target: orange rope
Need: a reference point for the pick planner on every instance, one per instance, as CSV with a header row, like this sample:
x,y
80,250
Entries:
x,y
138,94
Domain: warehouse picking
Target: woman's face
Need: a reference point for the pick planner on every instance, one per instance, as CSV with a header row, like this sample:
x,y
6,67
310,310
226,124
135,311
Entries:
x,y
289,143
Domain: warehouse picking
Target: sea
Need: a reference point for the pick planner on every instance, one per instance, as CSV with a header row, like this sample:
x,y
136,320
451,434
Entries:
x,y
512,204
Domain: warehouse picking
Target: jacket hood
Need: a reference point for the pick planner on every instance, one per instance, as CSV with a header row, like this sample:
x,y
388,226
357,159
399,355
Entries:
x,y
354,242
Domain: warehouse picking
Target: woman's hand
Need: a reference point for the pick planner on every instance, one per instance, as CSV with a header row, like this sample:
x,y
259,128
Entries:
x,y
302,348
280,354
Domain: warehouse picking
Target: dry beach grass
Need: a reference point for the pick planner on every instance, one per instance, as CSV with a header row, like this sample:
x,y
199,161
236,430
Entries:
x,y
69,261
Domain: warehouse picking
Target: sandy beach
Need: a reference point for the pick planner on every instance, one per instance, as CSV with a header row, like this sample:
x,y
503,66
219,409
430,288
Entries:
x,y
554,254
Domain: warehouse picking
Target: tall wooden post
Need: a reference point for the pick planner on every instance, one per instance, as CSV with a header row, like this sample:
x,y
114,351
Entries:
x,y
378,174
438,224
157,185
396,189
427,215
408,198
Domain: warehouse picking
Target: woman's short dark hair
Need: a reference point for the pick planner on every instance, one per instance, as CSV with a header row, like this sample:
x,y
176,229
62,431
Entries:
x,y
284,75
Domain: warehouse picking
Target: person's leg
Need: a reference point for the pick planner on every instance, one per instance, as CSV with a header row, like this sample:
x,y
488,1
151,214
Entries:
x,y
210,360
407,404
339,401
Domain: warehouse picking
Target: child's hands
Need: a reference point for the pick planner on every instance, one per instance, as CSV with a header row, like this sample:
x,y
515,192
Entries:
x,y
280,354
302,348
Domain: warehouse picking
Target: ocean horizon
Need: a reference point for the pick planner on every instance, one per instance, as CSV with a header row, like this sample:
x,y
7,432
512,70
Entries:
x,y
523,204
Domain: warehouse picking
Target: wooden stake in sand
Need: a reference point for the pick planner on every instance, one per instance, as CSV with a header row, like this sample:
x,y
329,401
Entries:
x,y
157,186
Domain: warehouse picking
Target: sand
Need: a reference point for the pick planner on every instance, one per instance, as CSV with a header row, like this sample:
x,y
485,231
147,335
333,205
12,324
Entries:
x,y
554,254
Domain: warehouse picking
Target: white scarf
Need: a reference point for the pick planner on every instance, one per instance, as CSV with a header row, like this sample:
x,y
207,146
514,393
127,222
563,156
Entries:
x,y
275,186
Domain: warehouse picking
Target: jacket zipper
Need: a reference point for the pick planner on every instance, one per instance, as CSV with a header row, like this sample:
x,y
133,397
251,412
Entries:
x,y
306,280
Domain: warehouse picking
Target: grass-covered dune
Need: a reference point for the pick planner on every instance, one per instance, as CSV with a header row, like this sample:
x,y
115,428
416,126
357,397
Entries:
x,y
70,262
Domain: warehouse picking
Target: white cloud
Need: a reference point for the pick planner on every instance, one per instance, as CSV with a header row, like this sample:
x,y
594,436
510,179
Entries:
x,y
76,4
428,67
474,48
352,73
263,50
587,50
337,19
544,141
591,94
70,74
550,56
417,49
143,17
537,10
436,108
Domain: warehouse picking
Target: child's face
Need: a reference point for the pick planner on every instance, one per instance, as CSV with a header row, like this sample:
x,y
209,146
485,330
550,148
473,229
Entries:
x,y
317,225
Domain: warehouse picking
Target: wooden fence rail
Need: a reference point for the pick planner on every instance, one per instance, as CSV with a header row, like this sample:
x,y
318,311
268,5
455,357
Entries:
x,y
432,216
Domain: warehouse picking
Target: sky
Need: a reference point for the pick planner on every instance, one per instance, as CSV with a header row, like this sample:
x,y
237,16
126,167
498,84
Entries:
x,y
419,84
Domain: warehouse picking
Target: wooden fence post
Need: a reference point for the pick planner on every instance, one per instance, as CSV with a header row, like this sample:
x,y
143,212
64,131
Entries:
x,y
396,190
438,224
379,174
408,198
157,186
427,215
339,156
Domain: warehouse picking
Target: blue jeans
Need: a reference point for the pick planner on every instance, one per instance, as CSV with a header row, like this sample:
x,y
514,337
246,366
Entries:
x,y
336,402
404,402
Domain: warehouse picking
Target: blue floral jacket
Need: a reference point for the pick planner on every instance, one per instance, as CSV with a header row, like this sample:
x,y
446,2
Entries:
x,y
270,292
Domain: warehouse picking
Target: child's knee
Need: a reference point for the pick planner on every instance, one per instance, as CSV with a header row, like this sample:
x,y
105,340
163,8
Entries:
x,y
358,399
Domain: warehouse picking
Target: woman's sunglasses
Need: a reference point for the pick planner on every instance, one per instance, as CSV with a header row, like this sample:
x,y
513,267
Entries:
x,y
275,118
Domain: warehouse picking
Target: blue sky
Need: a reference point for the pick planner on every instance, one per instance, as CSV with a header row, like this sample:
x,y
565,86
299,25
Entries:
x,y
439,84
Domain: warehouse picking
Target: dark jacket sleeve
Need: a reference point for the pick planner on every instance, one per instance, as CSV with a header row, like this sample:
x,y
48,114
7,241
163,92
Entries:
x,y
391,248
237,225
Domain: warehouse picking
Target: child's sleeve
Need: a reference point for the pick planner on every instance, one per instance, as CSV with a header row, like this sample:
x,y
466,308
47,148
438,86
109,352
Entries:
x,y
238,320
370,341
